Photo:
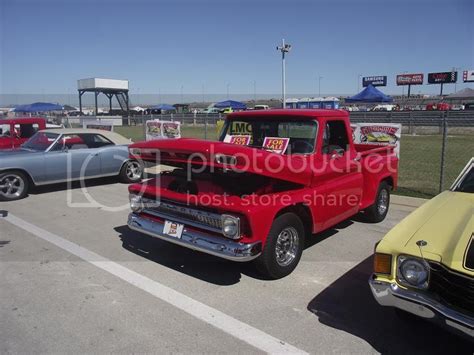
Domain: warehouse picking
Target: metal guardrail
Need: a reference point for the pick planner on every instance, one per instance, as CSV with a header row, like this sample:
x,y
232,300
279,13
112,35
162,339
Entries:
x,y
415,118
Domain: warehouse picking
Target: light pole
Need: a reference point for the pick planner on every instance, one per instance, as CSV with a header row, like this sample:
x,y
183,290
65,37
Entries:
x,y
403,86
319,85
455,84
284,48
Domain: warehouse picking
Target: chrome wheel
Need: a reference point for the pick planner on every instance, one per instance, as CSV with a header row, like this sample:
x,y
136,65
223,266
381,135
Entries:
x,y
133,170
12,186
286,247
382,203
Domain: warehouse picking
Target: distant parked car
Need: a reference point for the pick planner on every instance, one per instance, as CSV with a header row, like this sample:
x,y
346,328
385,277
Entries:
x,y
75,114
261,107
226,110
60,155
385,108
440,106
457,107
14,132
469,106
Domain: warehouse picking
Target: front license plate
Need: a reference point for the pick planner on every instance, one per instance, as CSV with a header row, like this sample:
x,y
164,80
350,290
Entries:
x,y
173,229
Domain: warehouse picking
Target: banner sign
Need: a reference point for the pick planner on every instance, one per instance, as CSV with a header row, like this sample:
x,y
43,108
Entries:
x,y
276,144
410,79
443,78
156,129
103,124
374,81
377,133
102,127
468,76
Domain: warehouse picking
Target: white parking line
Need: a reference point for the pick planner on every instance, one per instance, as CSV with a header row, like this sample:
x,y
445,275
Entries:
x,y
231,326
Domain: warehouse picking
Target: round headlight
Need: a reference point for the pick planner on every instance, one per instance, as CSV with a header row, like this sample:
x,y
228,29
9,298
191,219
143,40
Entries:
x,y
136,204
230,226
414,272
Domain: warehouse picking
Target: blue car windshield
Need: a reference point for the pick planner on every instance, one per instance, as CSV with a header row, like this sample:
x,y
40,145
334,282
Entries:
x,y
40,141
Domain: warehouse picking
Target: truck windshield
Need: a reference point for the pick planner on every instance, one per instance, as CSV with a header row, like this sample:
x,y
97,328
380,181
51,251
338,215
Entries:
x,y
298,136
40,141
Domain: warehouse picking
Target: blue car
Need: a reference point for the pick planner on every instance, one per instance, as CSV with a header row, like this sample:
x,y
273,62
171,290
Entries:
x,y
61,155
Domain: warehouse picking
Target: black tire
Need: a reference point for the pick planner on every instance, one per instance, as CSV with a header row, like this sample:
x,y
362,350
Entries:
x,y
126,176
14,185
376,213
267,263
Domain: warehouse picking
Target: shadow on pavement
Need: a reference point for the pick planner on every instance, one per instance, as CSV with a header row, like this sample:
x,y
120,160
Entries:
x,y
348,305
199,265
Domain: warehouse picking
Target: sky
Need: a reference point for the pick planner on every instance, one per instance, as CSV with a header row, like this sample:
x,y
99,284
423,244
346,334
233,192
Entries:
x,y
208,46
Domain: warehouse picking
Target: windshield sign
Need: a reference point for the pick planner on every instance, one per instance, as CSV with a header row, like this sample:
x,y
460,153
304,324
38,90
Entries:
x,y
290,137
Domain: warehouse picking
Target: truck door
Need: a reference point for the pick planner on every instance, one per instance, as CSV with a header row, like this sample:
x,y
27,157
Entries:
x,y
341,175
71,159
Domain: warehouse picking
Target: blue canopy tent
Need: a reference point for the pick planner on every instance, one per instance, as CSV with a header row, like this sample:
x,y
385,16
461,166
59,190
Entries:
x,y
370,94
38,107
235,105
163,107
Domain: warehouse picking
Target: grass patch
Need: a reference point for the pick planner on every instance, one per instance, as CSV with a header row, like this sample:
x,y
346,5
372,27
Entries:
x,y
420,163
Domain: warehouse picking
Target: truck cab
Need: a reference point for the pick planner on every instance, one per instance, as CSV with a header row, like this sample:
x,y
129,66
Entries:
x,y
14,132
274,179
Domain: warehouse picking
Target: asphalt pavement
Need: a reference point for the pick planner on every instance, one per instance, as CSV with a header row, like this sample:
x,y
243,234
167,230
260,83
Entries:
x,y
74,278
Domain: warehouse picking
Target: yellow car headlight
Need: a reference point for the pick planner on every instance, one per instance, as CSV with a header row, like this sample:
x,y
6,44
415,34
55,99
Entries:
x,y
413,272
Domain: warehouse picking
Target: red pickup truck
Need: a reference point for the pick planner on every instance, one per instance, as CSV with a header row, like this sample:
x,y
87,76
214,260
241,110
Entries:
x,y
14,132
275,178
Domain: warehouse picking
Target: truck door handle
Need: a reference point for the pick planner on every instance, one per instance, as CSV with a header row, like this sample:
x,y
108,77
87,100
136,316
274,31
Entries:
x,y
95,154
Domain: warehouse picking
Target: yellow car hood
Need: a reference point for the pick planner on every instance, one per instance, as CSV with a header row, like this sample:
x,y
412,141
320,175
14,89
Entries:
x,y
446,223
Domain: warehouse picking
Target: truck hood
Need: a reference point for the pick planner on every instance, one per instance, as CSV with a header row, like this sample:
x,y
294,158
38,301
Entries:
x,y
176,152
446,223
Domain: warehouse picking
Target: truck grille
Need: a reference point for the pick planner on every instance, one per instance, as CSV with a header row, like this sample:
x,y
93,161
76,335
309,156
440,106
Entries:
x,y
452,287
186,215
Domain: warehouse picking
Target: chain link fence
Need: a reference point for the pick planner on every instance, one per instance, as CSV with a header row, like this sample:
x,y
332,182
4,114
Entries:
x,y
435,146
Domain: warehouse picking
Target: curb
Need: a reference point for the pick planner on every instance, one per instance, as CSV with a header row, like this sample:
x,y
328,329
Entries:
x,y
407,201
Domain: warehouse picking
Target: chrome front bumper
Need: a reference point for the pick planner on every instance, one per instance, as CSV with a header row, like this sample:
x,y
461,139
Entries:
x,y
200,241
422,305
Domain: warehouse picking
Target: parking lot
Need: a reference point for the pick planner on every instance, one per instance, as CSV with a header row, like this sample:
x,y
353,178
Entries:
x,y
76,279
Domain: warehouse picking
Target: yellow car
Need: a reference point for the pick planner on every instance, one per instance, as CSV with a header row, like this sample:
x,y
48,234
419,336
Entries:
x,y
425,264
